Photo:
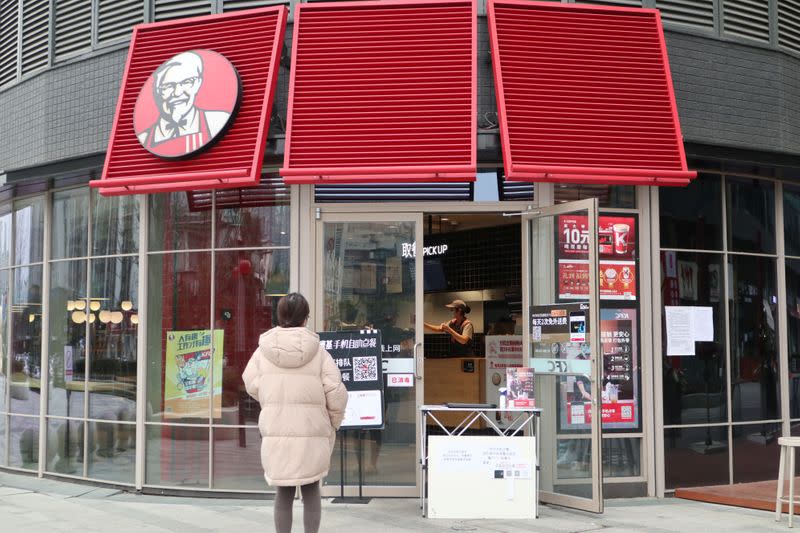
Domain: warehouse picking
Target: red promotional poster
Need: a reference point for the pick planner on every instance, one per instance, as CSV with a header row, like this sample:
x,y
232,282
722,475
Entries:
x,y
617,252
617,280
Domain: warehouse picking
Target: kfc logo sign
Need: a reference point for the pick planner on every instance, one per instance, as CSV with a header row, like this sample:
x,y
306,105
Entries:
x,y
187,104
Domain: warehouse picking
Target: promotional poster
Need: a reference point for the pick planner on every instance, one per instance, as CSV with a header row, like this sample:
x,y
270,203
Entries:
x,y
187,376
617,256
359,358
520,387
502,352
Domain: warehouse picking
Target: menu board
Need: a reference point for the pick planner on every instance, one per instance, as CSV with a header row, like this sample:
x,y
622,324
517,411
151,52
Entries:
x,y
617,256
358,356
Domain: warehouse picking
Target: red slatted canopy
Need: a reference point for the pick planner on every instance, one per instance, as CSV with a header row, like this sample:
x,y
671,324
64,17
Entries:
x,y
252,41
383,91
584,94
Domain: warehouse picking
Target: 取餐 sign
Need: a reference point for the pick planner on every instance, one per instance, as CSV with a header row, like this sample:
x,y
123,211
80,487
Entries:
x,y
358,356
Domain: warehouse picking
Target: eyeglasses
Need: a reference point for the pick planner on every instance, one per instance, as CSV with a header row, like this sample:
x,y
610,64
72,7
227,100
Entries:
x,y
165,89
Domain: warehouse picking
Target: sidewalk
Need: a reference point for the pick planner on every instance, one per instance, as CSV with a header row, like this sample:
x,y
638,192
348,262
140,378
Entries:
x,y
29,505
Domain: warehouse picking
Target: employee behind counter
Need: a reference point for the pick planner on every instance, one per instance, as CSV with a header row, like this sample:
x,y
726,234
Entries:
x,y
460,329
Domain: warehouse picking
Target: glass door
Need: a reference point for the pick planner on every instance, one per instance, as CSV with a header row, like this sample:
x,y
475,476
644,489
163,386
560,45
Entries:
x,y
369,276
562,341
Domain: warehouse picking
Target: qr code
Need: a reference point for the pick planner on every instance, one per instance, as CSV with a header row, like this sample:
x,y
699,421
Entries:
x,y
627,412
365,368
536,333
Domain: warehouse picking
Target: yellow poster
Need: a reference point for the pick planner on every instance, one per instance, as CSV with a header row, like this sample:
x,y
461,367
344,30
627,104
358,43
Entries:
x,y
187,379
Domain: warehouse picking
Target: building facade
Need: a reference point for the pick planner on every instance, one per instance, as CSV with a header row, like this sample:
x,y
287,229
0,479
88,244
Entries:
x,y
99,293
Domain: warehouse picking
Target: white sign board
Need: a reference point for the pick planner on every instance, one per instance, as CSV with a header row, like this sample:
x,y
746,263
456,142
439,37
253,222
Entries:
x,y
482,477
364,408
561,366
687,325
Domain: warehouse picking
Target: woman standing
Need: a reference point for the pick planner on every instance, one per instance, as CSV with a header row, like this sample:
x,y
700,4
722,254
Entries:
x,y
302,402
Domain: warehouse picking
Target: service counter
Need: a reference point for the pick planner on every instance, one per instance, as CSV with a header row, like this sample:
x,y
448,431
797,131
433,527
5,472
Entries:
x,y
455,380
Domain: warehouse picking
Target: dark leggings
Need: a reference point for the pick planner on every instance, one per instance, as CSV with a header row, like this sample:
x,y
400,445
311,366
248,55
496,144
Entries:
x,y
312,508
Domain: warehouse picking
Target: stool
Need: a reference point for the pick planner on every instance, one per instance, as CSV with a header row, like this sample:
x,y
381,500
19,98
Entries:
x,y
785,443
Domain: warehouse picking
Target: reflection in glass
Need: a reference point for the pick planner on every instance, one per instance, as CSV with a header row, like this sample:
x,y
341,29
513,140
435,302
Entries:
x,y
65,446
255,216
696,456
694,387
115,224
622,457
755,382
112,368
3,423
174,225
793,309
23,447
67,338
248,286
26,340
755,452
791,219
179,300
691,216
3,345
619,196
70,223
112,452
28,231
5,234
369,282
237,459
177,456
751,215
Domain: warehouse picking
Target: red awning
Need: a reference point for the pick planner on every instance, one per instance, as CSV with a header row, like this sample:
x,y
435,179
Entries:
x,y
383,91
584,94
220,140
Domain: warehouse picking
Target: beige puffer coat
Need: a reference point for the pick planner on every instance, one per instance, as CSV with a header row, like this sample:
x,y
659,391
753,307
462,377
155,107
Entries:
x,y
302,402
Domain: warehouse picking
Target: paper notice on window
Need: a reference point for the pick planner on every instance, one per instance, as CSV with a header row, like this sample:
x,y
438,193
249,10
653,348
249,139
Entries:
x,y
686,326
703,324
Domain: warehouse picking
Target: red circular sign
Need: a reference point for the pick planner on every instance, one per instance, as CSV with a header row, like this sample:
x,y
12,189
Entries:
x,y
187,104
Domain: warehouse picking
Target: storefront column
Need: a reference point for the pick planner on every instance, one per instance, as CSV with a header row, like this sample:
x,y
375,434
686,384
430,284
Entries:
x,y
655,346
783,313
44,379
141,341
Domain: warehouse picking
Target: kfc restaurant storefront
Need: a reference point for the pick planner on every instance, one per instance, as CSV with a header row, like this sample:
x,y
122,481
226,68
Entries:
x,y
382,203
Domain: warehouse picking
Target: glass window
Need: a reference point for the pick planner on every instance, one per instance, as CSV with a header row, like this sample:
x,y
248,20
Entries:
x,y
751,215
179,338
793,311
26,340
65,447
177,456
755,452
3,422
112,452
791,219
28,231
694,387
248,285
70,223
3,341
23,447
696,456
112,363
250,219
177,224
5,234
237,459
69,311
115,224
691,216
619,196
755,381
622,457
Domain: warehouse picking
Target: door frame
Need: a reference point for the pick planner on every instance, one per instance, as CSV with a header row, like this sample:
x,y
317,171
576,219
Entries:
x,y
591,207
361,216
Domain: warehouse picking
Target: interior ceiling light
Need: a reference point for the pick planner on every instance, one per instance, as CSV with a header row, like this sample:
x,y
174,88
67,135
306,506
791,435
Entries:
x,y
92,318
80,305
105,316
94,305
126,305
79,317
116,317
70,305
134,319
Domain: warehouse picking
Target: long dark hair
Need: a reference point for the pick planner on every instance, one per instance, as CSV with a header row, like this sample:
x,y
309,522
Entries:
x,y
292,310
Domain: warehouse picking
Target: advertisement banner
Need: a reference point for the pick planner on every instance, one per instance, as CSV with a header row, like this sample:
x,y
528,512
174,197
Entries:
x,y
502,352
620,392
617,256
359,358
187,376
521,387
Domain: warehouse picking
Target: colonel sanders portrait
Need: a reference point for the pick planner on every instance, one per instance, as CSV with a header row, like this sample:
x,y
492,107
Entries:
x,y
182,127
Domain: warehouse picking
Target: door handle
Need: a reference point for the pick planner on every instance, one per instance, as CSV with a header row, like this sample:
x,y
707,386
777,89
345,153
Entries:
x,y
416,361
